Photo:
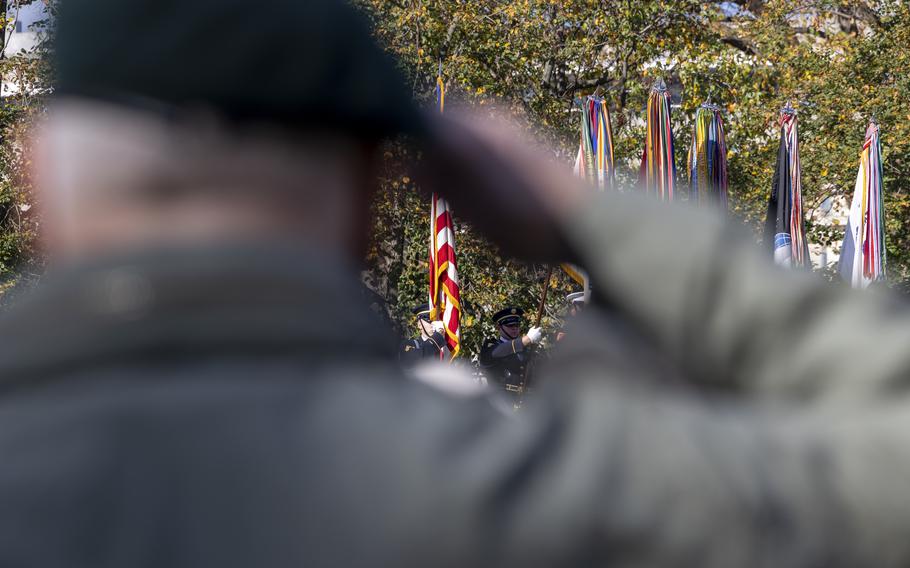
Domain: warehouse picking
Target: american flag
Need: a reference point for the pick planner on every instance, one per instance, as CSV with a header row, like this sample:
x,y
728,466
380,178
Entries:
x,y
445,294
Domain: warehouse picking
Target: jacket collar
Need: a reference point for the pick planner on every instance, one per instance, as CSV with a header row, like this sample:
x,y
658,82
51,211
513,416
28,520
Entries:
x,y
165,304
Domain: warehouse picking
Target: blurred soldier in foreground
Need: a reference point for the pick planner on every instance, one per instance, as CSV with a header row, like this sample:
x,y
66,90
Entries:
x,y
429,344
505,359
198,384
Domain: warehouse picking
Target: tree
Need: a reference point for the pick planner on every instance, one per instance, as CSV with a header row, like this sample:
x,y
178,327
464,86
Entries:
x,y
839,62
25,80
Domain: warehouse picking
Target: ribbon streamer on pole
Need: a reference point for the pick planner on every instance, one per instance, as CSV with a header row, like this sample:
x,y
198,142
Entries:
x,y
595,150
862,259
784,229
445,294
658,167
708,158
594,162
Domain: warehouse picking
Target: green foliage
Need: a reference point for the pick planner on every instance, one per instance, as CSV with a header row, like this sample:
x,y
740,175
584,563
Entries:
x,y
26,81
840,62
399,250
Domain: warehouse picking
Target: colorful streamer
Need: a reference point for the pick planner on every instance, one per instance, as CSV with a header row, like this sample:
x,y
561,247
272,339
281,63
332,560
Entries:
x,y
594,162
658,167
708,159
862,260
595,150
784,229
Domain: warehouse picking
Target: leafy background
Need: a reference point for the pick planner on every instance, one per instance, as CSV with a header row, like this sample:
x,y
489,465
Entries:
x,y
839,62
24,83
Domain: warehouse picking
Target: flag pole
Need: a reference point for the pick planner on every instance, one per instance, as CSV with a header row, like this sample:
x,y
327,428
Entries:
x,y
543,297
444,287
525,382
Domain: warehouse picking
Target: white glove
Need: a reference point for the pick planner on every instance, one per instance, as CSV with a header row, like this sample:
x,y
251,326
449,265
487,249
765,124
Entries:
x,y
438,326
534,334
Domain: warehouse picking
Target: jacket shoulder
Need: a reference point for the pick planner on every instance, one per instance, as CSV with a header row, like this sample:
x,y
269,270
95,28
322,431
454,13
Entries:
x,y
489,343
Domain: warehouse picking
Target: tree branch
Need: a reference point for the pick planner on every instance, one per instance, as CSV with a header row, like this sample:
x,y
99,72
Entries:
x,y
739,44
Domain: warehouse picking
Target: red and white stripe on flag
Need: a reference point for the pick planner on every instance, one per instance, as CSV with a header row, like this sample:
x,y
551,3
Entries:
x,y
445,296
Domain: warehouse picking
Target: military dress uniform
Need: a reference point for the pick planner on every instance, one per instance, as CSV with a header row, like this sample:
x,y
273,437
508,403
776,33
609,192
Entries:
x,y
504,360
576,302
412,351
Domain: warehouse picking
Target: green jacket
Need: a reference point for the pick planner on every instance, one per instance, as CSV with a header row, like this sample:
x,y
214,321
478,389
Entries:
x,y
211,408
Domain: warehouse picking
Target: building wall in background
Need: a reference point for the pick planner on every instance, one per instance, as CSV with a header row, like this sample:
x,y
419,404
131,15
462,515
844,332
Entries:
x,y
24,35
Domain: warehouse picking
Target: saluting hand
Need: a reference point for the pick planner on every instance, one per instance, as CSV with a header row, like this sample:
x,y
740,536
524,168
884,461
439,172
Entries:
x,y
506,186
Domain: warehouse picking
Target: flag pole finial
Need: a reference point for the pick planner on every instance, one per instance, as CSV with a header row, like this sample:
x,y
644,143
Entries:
x,y
659,86
873,127
788,108
709,105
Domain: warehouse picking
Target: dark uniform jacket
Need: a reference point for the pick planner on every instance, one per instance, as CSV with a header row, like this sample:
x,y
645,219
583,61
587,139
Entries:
x,y
412,351
505,361
213,408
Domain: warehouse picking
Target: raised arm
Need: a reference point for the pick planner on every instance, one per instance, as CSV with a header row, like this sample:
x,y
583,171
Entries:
x,y
702,290
787,441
